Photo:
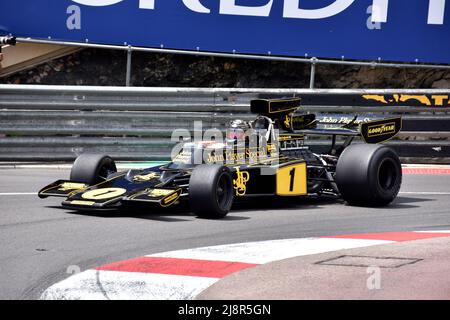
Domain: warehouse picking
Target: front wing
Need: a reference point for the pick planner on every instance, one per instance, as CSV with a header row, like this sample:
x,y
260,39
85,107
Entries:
x,y
109,194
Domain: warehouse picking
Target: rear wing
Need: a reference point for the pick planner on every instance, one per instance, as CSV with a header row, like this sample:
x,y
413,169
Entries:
x,y
380,130
371,128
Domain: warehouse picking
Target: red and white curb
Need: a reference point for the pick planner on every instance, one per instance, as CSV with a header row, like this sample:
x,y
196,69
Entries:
x,y
183,274
425,169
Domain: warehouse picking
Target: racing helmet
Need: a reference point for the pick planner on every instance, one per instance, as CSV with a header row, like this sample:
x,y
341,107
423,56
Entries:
x,y
237,128
261,123
262,127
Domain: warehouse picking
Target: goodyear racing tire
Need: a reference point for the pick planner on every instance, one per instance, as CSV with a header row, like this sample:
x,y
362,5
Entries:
x,y
92,168
368,175
211,191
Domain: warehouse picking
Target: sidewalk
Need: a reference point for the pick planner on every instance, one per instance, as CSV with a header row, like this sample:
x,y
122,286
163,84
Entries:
x,y
417,269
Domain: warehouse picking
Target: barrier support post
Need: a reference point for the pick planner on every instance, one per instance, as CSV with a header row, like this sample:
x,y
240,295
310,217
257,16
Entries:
x,y
313,73
128,74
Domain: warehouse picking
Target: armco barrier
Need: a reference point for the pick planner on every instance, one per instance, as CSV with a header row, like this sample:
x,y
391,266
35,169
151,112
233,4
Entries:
x,y
56,123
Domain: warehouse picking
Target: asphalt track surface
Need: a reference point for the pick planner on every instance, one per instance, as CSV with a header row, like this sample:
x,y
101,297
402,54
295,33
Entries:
x,y
41,244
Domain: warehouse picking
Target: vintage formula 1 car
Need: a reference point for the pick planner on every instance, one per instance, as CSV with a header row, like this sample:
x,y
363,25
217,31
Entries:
x,y
264,157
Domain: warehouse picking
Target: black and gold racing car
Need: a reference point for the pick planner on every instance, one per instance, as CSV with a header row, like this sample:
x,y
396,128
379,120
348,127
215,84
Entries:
x,y
269,156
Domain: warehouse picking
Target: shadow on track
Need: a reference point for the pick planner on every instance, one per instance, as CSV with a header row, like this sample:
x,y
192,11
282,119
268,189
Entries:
x,y
405,202
182,212
274,203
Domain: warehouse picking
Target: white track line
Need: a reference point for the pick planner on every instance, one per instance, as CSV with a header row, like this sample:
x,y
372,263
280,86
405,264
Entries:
x,y
432,193
426,166
435,231
18,193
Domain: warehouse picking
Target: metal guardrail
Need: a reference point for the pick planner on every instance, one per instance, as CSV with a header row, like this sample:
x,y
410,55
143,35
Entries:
x,y
56,123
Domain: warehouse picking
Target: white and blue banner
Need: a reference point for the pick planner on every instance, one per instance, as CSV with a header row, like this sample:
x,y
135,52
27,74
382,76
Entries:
x,y
386,30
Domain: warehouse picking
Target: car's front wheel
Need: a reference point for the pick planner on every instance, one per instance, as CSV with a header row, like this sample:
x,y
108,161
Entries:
x,y
92,168
211,191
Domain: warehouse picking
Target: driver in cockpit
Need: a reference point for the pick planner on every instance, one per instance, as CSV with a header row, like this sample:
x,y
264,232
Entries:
x,y
238,131
241,132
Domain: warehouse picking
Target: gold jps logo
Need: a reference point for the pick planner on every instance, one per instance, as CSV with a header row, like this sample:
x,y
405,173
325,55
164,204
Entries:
x,y
68,186
146,177
287,121
240,183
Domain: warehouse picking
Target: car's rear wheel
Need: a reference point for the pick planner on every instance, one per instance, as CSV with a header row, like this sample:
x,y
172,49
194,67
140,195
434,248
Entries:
x,y
211,191
92,168
368,175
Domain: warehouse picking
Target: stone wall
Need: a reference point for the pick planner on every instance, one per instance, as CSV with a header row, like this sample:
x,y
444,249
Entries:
x,y
108,67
